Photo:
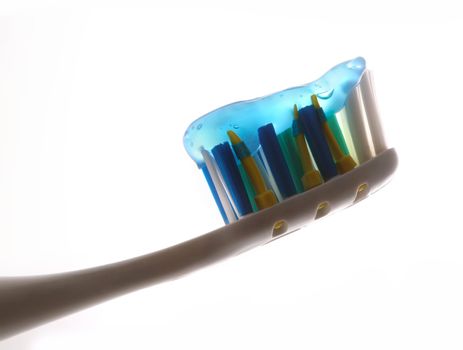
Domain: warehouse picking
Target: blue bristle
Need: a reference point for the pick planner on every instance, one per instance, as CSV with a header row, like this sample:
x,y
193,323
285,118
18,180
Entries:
x,y
313,131
277,163
223,155
207,175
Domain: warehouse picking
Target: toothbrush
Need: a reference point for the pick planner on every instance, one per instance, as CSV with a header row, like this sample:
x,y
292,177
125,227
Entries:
x,y
273,164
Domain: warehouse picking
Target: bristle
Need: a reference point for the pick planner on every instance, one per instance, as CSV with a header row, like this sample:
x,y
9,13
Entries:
x,y
295,112
215,194
234,139
311,177
315,102
266,172
336,129
264,197
372,114
344,162
341,117
217,187
358,126
276,160
292,156
248,186
230,172
315,137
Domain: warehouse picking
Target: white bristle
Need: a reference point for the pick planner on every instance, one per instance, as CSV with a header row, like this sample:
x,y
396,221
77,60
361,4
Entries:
x,y
358,126
374,122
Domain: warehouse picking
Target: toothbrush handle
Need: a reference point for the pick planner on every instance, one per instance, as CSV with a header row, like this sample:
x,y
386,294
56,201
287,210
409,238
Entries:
x,y
26,302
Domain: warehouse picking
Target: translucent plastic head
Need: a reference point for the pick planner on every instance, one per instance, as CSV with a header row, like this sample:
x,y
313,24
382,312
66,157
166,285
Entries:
x,y
246,117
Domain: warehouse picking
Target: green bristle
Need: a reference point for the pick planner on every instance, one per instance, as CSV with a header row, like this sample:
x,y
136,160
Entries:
x,y
248,186
334,126
291,154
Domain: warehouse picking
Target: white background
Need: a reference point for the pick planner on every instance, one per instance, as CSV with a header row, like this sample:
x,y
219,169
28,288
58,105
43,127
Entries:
x,y
94,100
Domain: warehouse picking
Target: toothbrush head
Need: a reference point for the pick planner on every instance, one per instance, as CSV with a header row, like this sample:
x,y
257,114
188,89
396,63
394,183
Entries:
x,y
280,161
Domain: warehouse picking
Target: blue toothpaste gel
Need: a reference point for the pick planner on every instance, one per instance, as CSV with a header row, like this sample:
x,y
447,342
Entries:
x,y
246,117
